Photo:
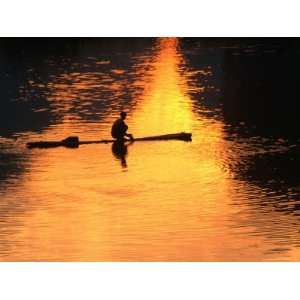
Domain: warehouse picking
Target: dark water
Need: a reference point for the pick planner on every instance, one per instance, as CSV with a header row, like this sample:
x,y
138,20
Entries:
x,y
232,194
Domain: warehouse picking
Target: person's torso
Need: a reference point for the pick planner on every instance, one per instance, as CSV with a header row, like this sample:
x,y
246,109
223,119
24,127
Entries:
x,y
119,128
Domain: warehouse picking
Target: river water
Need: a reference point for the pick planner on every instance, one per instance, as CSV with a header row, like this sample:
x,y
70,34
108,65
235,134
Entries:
x,y
156,201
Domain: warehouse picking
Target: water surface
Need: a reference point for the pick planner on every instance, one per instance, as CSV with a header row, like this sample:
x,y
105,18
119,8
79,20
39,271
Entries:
x,y
205,200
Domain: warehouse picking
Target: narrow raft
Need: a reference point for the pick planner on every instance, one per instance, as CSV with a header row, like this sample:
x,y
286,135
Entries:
x,y
74,142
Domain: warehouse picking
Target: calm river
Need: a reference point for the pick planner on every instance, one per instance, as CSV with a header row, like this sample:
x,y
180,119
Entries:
x,y
166,200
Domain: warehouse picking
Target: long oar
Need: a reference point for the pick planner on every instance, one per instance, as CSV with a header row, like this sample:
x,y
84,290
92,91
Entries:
x,y
74,142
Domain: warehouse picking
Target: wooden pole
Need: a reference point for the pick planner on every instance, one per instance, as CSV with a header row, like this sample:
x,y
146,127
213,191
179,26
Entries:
x,y
74,142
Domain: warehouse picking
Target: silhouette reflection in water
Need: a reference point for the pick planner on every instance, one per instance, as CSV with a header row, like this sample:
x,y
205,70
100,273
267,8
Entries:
x,y
120,152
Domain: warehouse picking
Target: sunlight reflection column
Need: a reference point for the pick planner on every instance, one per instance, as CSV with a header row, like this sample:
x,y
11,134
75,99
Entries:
x,y
164,107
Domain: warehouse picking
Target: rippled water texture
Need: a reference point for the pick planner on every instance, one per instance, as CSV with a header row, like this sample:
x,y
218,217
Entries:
x,y
225,196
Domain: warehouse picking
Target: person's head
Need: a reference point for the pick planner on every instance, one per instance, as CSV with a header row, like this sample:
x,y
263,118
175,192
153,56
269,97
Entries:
x,y
123,115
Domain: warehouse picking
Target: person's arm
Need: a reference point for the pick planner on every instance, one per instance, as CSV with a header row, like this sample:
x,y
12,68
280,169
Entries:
x,y
130,136
125,133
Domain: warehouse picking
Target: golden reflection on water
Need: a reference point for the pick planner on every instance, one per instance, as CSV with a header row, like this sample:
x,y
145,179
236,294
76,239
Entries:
x,y
164,107
172,202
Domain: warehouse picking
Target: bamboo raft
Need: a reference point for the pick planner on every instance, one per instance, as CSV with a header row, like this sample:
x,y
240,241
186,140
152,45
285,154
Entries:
x,y
74,142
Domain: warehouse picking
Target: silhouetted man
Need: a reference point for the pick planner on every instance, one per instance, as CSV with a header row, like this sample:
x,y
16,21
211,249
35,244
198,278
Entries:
x,y
119,128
